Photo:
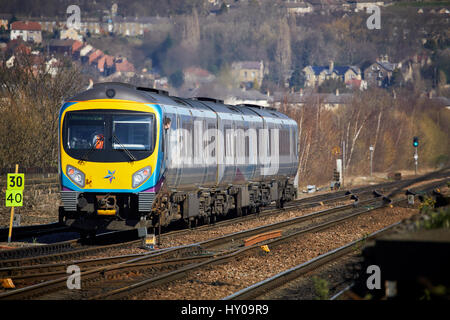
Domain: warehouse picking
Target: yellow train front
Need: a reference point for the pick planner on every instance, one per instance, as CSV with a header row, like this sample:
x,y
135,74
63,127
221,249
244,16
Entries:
x,y
109,157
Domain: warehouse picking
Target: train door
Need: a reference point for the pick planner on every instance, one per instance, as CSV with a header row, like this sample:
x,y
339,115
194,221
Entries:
x,y
243,171
211,154
198,169
251,145
229,149
186,142
171,146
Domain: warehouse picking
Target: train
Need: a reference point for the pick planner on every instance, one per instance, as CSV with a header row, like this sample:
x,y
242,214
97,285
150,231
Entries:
x,y
133,157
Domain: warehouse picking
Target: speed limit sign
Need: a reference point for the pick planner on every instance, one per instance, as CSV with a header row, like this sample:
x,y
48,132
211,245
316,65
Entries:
x,y
14,198
16,181
14,192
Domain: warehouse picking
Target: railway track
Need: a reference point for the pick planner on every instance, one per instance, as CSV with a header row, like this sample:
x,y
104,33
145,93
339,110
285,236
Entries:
x,y
73,250
67,250
271,284
137,287
181,260
19,273
211,252
57,251
24,232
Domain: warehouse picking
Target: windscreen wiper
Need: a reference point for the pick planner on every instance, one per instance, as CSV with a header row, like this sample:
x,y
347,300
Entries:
x,y
132,157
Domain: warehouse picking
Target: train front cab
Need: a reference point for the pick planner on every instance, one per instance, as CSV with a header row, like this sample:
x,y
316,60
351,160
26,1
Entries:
x,y
109,162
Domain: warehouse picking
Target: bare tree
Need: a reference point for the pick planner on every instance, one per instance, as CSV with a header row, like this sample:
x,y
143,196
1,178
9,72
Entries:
x,y
32,93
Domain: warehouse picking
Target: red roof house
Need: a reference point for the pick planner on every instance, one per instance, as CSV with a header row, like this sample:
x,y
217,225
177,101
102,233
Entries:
x,y
27,31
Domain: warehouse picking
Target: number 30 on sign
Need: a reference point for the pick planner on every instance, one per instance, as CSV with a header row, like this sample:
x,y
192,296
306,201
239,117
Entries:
x,y
16,181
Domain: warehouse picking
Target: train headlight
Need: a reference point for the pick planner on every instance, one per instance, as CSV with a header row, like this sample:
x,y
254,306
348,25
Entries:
x,y
76,176
139,177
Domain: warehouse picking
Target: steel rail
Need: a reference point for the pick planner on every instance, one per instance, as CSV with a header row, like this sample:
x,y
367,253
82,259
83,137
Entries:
x,y
23,232
43,270
179,273
93,262
59,283
301,203
174,275
29,251
269,284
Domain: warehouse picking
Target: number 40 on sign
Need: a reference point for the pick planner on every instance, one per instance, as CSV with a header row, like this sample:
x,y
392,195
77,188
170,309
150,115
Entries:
x,y
14,192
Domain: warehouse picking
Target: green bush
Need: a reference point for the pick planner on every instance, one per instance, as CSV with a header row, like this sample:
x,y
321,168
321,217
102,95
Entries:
x,y
439,219
321,288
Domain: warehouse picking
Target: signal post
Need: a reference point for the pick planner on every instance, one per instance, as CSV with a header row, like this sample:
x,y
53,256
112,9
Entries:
x,y
416,155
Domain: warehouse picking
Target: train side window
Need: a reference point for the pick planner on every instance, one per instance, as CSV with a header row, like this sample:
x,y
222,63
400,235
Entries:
x,y
187,138
247,146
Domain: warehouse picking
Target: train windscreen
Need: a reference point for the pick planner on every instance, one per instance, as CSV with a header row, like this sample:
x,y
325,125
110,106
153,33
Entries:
x,y
109,136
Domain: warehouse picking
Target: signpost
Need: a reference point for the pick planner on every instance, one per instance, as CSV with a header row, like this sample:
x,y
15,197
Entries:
x,y
14,194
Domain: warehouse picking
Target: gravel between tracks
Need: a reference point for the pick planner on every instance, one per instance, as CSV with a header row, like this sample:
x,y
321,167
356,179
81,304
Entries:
x,y
220,281
202,235
194,236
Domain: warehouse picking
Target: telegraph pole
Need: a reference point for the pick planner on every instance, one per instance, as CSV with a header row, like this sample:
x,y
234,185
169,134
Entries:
x,y
343,162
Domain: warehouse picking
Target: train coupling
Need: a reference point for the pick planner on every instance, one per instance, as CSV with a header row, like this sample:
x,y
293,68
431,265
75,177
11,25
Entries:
x,y
106,212
106,205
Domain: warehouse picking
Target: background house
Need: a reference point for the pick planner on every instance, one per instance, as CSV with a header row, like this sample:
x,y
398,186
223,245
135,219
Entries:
x,y
380,72
316,75
247,72
330,101
27,30
194,76
61,46
70,34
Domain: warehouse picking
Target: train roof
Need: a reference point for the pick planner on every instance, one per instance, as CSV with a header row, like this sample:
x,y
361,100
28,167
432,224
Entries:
x,y
124,91
121,91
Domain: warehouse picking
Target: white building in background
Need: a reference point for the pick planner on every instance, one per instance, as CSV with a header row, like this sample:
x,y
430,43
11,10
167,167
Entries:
x,y
236,97
27,31
70,34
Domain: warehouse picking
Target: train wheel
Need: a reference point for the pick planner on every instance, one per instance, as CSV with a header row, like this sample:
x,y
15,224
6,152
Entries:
x,y
192,223
280,203
61,215
239,212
